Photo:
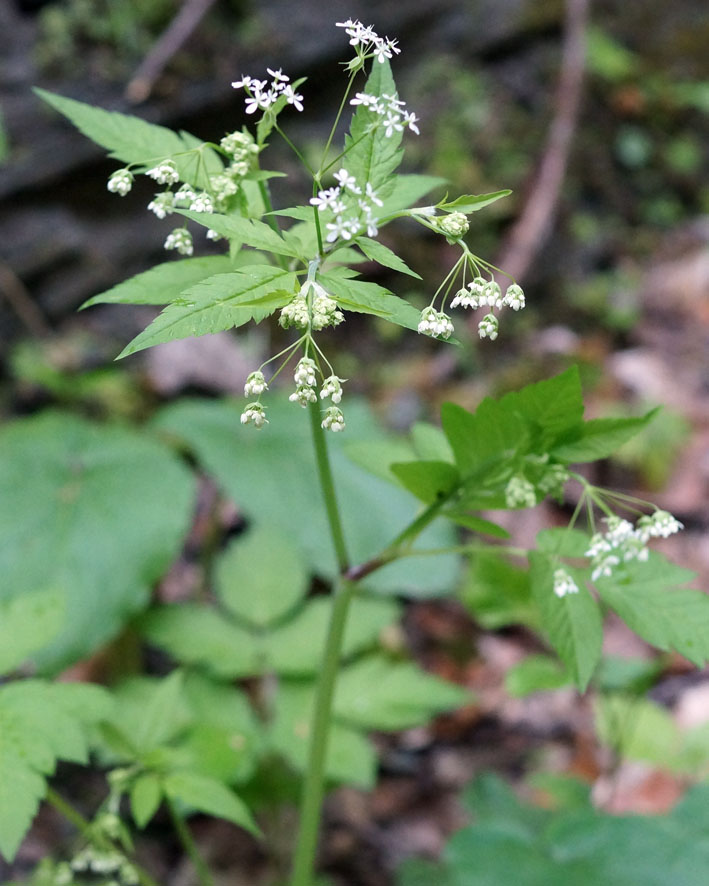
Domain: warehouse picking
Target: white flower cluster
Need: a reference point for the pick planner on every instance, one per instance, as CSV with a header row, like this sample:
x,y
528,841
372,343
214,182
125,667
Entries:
x,y
334,420
305,393
520,493
165,173
255,415
260,94
312,308
120,182
390,109
479,293
255,384
623,542
332,387
552,480
181,240
564,583
367,42
354,210
435,323
108,862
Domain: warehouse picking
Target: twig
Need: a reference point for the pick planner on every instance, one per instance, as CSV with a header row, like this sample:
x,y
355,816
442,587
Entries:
x,y
527,235
16,295
169,42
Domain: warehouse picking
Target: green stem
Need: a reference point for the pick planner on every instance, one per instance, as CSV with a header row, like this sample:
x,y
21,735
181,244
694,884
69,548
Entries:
x,y
314,782
327,485
183,832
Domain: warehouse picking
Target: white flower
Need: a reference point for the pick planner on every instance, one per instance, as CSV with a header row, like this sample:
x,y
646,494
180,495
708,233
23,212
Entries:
x,y
392,124
255,415
488,327
334,420
305,372
454,225
369,101
255,384
295,314
120,182
435,323
514,297
328,199
491,294
564,583
162,204
661,524
465,298
164,173
347,181
202,203
371,194
244,83
181,240
293,98
411,120
332,387
184,196
304,394
342,227
520,493
278,76
213,235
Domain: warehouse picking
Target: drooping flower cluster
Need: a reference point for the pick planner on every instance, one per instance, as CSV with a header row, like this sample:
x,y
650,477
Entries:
x,y
367,42
435,323
255,415
623,542
480,293
180,240
261,95
391,111
352,206
564,583
120,182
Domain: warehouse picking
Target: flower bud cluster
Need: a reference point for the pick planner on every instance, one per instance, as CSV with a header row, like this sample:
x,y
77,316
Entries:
x,y
435,323
255,384
104,862
552,480
255,415
454,225
622,542
520,493
319,314
165,173
180,240
564,583
481,292
334,420
120,182
332,387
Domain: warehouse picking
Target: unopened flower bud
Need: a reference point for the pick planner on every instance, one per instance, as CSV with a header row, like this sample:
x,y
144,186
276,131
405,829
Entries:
x,y
164,173
255,415
255,384
488,327
120,182
454,225
334,419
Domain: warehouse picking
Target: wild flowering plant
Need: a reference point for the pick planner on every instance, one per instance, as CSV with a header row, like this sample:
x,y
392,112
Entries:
x,y
300,265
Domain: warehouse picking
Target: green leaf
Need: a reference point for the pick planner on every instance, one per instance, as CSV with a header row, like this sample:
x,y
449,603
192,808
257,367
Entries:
x,y
145,798
350,756
648,598
39,724
470,203
248,231
27,623
428,480
638,729
380,253
261,577
373,511
377,456
157,722
535,673
551,406
600,437
208,795
370,298
375,693
163,283
475,524
369,155
133,140
498,593
221,302
563,542
95,512
430,442
572,623
198,635
408,190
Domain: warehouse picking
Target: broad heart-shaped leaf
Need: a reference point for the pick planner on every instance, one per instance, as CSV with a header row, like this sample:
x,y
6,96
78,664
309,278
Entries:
x,y
470,203
261,577
350,756
247,231
27,623
163,283
375,693
208,795
380,253
371,156
39,723
218,303
271,475
133,140
600,437
370,298
649,598
198,635
572,623
95,512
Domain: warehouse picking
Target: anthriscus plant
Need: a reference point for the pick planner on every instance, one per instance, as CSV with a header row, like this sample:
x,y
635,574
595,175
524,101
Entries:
x,y
170,742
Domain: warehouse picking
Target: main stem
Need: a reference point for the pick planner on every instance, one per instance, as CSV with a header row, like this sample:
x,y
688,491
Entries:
x,y
183,832
314,780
